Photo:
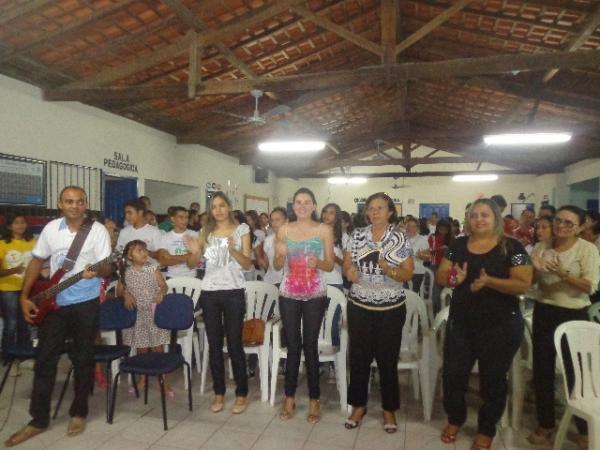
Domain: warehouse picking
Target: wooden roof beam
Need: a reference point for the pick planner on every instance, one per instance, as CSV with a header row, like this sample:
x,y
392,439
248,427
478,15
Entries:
x,y
389,30
591,23
22,9
181,46
341,78
430,26
341,31
422,174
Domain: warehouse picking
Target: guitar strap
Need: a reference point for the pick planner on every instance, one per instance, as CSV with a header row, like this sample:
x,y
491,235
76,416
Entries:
x,y
77,245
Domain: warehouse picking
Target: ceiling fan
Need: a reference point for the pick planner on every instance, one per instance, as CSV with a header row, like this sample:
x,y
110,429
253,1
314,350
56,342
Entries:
x,y
256,118
400,186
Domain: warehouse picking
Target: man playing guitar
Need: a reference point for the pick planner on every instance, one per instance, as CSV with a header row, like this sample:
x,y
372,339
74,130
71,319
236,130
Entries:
x,y
76,318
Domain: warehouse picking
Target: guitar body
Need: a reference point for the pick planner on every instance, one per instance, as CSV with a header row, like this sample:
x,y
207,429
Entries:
x,y
46,304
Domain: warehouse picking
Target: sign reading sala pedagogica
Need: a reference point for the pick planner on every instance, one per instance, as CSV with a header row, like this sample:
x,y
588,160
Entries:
x,y
120,161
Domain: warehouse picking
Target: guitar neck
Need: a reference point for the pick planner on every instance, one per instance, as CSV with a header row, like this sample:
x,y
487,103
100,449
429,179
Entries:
x,y
51,292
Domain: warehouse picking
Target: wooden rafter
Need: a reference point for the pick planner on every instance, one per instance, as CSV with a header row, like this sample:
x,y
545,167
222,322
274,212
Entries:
x,y
431,25
22,9
591,23
341,78
440,173
341,31
389,30
168,52
63,30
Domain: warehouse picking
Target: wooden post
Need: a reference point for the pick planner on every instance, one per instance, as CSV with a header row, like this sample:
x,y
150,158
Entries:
x,y
195,67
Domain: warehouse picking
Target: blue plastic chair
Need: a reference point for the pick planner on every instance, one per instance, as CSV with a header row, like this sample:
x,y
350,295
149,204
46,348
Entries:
x,y
175,313
16,353
113,317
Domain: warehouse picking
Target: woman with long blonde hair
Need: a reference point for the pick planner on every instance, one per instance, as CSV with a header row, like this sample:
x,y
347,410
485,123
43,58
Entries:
x,y
226,247
488,272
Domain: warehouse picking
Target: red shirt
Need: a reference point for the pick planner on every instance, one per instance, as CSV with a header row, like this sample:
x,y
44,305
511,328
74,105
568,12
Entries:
x,y
437,247
525,237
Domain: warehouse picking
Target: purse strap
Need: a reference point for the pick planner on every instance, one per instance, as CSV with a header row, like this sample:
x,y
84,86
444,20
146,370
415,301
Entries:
x,y
77,245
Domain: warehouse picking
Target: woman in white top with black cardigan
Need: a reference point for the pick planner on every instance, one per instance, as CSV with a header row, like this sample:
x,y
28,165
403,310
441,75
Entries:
x,y
226,247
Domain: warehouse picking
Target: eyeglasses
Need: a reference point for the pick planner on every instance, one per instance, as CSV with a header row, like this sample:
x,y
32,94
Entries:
x,y
567,223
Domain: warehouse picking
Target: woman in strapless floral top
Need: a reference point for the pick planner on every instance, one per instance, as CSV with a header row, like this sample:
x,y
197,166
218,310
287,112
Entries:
x,y
304,250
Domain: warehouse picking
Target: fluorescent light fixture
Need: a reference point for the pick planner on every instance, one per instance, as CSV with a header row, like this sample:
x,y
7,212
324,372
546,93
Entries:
x,y
347,180
475,177
527,138
291,146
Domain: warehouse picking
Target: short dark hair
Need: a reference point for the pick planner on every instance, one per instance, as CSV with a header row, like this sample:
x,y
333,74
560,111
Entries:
x,y
595,216
550,208
71,187
433,213
176,209
390,204
499,200
580,213
281,210
136,204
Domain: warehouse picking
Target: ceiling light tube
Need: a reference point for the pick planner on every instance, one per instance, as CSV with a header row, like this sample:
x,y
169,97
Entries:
x,y
527,138
475,177
291,146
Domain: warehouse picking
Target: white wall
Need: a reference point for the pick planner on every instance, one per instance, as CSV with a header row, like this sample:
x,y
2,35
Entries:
x,y
79,134
423,190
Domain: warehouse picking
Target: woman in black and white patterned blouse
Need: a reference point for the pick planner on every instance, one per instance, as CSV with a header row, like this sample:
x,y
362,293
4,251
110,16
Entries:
x,y
377,260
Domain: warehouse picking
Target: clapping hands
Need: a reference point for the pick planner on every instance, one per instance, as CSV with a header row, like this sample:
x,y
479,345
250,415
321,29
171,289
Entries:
x,y
481,282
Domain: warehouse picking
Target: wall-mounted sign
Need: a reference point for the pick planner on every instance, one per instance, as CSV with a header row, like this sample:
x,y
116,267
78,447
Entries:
x,y
211,188
120,161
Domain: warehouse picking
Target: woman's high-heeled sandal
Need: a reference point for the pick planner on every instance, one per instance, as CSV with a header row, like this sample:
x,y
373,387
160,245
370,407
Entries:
x,y
286,414
351,424
314,418
447,437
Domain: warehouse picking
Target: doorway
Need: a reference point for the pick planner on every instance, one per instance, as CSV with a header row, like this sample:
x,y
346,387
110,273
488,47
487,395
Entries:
x,y
117,191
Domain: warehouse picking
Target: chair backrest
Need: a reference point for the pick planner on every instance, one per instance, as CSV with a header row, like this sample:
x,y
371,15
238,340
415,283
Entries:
x,y
175,312
112,287
337,300
426,289
261,298
416,316
114,315
440,319
192,287
446,297
583,343
594,312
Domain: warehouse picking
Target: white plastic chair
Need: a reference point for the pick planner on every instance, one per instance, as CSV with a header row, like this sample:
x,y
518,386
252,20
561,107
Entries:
x,y
426,291
191,287
523,361
260,300
327,351
415,355
445,297
583,339
594,312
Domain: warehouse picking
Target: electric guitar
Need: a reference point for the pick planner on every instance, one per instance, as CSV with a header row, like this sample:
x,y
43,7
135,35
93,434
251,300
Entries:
x,y
43,293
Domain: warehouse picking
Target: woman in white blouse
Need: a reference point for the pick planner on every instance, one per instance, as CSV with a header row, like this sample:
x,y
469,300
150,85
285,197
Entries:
x,y
567,270
227,249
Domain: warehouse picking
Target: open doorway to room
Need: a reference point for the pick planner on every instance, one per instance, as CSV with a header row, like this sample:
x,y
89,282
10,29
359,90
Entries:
x,y
163,194
117,191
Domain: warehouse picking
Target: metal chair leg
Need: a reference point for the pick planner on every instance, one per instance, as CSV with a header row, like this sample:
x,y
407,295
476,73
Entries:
x,y
189,370
135,386
9,366
62,392
145,389
114,398
161,382
108,388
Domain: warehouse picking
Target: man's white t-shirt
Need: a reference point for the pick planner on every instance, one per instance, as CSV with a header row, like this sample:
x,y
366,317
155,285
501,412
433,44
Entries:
x,y
54,243
418,243
148,234
173,243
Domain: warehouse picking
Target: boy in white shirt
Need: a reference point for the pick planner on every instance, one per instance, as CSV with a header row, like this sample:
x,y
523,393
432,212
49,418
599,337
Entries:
x,y
138,228
173,251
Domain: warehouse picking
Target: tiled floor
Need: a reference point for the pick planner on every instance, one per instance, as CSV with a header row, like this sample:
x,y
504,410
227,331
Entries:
x,y
139,426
